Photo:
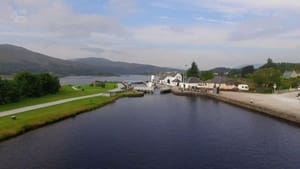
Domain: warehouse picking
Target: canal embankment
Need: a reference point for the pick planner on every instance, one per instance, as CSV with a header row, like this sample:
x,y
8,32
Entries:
x,y
37,118
284,106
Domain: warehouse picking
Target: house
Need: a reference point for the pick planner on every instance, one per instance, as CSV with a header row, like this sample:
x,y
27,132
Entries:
x,y
192,82
172,79
223,82
290,74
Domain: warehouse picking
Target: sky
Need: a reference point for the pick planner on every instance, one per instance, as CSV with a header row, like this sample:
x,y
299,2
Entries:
x,y
170,33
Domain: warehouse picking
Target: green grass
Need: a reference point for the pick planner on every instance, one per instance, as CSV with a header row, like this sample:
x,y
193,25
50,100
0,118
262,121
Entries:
x,y
64,93
36,118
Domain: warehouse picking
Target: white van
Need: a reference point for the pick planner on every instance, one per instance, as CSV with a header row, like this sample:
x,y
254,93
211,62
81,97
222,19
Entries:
x,y
243,87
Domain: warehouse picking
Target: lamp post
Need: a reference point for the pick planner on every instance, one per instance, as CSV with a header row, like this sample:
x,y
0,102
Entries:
x,y
274,87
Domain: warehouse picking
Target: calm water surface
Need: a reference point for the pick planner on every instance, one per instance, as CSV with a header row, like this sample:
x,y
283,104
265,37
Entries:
x,y
159,132
76,80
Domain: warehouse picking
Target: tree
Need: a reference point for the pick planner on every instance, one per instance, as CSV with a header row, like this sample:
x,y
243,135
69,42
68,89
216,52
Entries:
x,y
36,85
247,70
269,64
269,61
193,71
27,84
49,84
8,92
206,75
234,73
266,77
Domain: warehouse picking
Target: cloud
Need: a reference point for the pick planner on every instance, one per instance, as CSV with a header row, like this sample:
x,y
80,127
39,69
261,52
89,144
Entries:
x,y
122,7
265,27
180,35
211,32
55,17
163,5
246,6
217,21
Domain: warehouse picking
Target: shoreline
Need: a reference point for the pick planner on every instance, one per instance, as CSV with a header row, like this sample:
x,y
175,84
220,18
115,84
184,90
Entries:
x,y
273,105
35,125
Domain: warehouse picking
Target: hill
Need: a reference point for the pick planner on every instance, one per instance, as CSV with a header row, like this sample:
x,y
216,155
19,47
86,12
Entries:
x,y
221,70
14,59
108,66
283,66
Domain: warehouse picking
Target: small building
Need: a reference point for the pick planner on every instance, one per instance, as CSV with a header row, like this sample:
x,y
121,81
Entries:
x,y
290,74
193,82
171,79
223,83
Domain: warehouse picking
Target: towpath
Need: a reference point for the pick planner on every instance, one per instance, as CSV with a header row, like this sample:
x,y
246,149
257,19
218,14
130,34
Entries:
x,y
43,105
48,104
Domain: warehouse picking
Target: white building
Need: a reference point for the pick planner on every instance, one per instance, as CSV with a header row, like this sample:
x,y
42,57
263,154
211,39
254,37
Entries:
x,y
171,79
193,82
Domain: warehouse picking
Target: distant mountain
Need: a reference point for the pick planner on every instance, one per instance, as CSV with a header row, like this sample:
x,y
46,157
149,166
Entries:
x,y
14,59
256,66
108,66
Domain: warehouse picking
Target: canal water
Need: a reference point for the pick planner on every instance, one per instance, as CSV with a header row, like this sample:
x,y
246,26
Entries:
x,y
158,132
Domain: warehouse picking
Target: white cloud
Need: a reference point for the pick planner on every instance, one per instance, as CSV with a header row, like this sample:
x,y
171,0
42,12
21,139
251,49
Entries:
x,y
50,16
242,6
193,35
122,7
54,28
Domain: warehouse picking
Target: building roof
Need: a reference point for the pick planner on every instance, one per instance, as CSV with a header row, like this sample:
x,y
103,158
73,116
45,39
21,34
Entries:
x,y
290,74
194,80
176,80
164,75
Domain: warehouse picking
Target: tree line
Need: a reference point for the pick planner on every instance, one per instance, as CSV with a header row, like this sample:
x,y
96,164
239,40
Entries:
x,y
26,84
262,79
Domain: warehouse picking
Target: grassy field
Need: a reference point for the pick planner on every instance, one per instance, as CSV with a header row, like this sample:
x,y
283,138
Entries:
x,y
64,93
36,118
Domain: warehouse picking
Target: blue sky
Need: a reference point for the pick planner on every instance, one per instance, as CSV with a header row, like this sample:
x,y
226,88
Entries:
x,y
160,32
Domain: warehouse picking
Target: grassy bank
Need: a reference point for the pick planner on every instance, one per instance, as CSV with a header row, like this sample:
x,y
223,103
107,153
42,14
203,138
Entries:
x,y
64,93
37,118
